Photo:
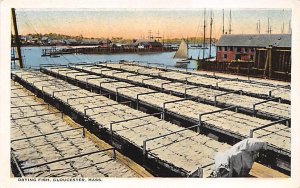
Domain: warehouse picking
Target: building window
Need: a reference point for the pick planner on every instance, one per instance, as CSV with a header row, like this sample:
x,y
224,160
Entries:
x,y
230,49
238,49
225,48
251,57
220,48
225,56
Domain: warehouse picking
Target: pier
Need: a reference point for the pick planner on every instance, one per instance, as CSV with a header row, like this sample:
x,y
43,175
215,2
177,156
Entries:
x,y
114,121
106,50
149,127
251,87
211,110
45,143
268,108
182,113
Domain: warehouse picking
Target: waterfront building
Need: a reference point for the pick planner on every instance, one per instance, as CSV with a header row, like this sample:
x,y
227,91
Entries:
x,y
242,47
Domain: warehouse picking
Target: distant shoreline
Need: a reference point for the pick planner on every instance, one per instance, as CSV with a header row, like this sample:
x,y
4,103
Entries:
x,y
36,45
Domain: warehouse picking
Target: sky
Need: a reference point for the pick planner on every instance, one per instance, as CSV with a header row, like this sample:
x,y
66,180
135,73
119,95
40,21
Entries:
x,y
136,23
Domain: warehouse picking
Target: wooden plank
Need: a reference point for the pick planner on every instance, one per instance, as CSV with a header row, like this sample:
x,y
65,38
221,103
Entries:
x,y
280,72
260,171
283,50
257,69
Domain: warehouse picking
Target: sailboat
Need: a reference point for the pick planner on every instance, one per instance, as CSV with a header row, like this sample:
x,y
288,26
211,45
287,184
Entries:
x,y
182,53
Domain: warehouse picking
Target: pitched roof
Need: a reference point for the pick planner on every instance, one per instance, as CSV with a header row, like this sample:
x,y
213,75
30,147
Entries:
x,y
256,40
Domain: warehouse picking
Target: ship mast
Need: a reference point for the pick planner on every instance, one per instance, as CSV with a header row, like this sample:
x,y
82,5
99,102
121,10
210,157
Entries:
x,y
204,26
210,33
269,28
290,27
230,22
223,23
258,26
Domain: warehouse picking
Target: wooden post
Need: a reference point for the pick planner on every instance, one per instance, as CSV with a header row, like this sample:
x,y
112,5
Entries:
x,y
270,63
17,38
258,61
277,66
285,62
266,64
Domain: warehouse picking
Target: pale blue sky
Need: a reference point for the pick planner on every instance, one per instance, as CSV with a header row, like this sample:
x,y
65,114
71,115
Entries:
x,y
136,23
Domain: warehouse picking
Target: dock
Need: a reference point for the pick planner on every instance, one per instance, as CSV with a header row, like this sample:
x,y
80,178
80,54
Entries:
x,y
267,108
184,108
254,88
149,127
103,50
167,134
43,144
187,111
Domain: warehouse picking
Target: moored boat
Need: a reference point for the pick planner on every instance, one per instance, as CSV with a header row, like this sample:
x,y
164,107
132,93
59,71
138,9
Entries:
x,y
182,53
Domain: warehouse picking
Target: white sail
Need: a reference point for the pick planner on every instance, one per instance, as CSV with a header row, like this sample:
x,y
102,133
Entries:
x,y
182,52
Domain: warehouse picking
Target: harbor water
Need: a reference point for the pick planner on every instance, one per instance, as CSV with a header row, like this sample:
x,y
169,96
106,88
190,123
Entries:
x,y
32,57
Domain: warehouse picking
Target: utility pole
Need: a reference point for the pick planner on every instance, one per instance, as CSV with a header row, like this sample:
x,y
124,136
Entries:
x,y
223,23
17,39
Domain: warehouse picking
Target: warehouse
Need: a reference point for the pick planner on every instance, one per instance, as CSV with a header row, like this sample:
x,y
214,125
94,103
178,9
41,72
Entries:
x,y
263,55
243,47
